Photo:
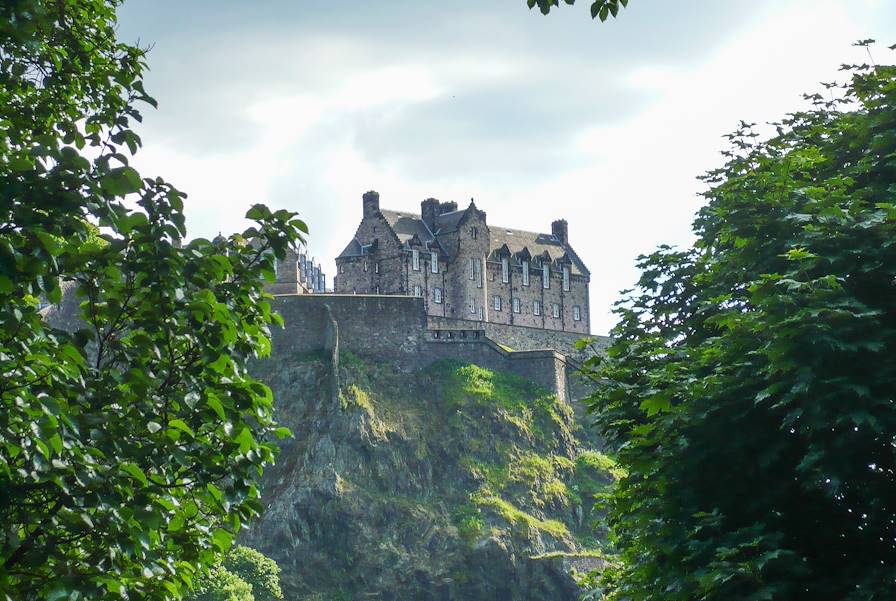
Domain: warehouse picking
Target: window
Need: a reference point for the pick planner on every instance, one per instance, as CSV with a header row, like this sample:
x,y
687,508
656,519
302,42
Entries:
x,y
566,278
415,259
536,308
496,302
481,314
472,306
416,290
505,270
478,269
434,262
472,269
525,273
556,311
474,233
342,269
516,304
365,265
437,295
376,267
576,313
377,289
545,275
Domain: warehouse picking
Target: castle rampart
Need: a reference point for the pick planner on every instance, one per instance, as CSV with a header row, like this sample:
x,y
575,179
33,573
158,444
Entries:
x,y
395,329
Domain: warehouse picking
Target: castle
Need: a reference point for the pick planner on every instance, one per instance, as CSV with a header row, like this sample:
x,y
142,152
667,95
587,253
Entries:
x,y
463,268
414,289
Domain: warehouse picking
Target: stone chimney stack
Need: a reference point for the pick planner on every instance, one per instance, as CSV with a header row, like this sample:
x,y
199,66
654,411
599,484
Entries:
x,y
560,230
371,201
429,209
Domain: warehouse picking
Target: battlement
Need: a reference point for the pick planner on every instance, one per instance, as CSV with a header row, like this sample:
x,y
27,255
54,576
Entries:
x,y
396,329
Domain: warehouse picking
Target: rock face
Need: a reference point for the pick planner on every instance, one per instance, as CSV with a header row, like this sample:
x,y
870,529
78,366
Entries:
x,y
449,483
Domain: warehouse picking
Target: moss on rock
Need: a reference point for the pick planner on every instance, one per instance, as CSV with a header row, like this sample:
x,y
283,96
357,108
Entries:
x,y
453,482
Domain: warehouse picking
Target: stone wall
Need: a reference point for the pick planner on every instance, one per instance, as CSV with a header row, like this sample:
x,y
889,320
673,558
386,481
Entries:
x,y
521,338
394,329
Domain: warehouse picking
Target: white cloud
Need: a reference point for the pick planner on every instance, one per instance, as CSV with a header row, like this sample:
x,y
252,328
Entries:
x,y
532,133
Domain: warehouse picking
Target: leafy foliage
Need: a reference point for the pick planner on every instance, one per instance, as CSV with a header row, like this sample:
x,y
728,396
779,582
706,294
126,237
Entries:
x,y
243,575
749,389
600,9
261,572
131,435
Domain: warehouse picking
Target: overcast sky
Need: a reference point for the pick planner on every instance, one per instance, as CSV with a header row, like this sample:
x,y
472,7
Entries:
x,y
305,105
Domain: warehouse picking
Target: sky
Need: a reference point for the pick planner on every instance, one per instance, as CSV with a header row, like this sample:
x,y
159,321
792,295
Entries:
x,y
306,105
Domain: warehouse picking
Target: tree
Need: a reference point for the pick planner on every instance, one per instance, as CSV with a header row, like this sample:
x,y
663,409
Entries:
x,y
132,437
599,8
749,388
260,571
243,575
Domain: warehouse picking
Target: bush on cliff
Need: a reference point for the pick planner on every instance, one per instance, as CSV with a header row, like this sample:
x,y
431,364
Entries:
x,y
131,436
749,388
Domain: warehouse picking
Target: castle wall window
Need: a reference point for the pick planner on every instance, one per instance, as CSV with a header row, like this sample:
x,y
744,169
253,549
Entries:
x,y
496,302
576,313
478,269
505,270
545,276
376,267
516,304
437,295
472,269
536,308
474,233
377,289
416,290
472,306
556,311
481,314
566,278
365,265
434,262
342,269
525,273
415,259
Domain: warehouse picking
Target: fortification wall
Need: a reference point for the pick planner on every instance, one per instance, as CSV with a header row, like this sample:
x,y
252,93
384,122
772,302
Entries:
x,y
522,338
394,329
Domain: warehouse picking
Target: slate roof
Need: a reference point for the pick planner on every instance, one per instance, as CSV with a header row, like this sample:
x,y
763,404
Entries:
x,y
536,243
408,225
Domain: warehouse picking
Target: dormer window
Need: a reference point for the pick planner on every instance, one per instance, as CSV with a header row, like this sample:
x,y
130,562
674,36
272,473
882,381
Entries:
x,y
525,273
545,275
415,259
434,262
566,278
505,270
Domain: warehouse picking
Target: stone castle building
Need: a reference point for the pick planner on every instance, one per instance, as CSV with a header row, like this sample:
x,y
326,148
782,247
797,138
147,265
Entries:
x,y
298,273
464,268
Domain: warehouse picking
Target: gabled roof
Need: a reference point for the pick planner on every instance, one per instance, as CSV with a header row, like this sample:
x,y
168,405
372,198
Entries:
x,y
354,249
538,245
410,228
407,225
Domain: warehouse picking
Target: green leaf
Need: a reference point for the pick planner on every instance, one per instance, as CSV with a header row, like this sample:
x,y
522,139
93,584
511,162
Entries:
x,y
135,472
215,404
179,424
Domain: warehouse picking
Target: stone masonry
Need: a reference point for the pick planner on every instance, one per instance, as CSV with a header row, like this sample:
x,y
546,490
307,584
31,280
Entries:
x,y
464,268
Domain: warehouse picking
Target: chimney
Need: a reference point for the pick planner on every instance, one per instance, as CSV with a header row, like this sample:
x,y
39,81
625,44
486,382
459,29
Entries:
x,y
429,209
560,230
371,202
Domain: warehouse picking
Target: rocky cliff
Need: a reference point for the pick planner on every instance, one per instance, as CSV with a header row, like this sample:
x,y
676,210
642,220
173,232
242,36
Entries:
x,y
449,482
